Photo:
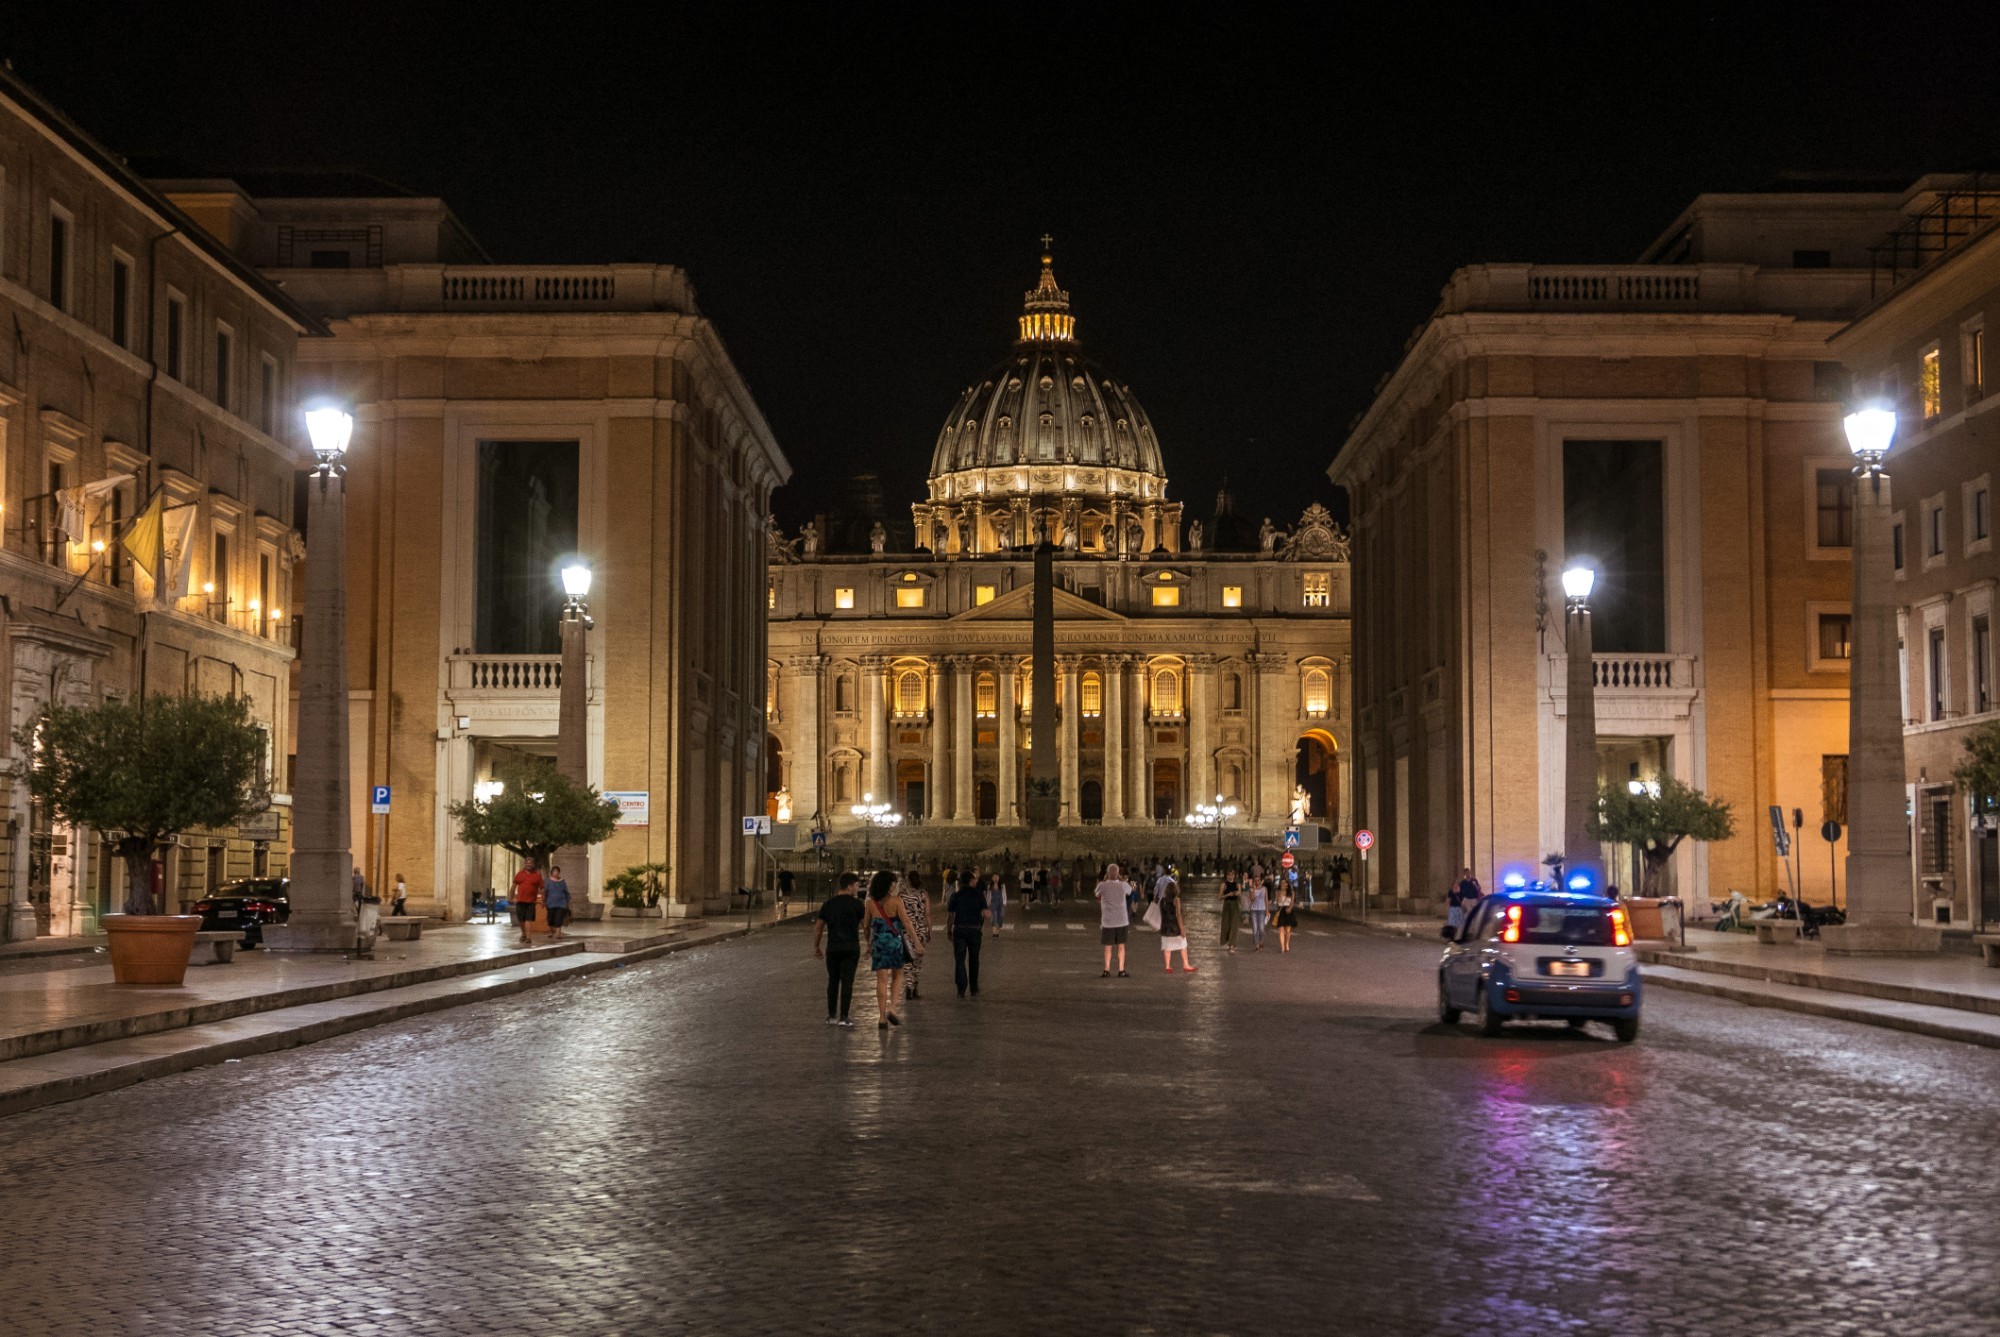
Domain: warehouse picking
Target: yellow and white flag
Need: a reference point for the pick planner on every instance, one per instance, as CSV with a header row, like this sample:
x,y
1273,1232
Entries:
x,y
179,525
145,538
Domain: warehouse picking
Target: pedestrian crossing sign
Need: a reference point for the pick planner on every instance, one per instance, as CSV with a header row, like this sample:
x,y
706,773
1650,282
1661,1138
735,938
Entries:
x,y
1291,837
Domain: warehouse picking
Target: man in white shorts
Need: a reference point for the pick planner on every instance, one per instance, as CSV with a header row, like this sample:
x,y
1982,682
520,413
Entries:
x,y
1114,917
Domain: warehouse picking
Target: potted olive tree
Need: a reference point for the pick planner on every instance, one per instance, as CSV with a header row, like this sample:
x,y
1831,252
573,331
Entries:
x,y
537,812
140,773
1655,819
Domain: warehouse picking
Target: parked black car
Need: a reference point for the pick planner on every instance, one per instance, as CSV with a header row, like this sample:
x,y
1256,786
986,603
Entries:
x,y
248,905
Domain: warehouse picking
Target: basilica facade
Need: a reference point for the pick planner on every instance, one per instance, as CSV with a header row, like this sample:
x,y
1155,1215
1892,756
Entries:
x,y
1183,672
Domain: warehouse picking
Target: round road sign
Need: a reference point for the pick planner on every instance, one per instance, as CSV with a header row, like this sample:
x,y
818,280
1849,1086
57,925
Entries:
x,y
1364,839
1829,832
1288,860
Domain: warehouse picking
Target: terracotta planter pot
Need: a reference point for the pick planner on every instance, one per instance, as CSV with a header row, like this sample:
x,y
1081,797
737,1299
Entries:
x,y
151,949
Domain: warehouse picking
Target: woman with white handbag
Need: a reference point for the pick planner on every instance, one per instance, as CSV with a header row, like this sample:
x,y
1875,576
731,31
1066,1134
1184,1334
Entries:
x,y
1165,914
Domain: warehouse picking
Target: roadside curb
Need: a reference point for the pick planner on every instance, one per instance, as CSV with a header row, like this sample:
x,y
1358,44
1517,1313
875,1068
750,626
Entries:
x,y
1941,1023
126,1062
1916,994
1391,929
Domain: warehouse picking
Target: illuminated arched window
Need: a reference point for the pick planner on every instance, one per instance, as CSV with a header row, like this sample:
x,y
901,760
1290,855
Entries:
x,y
1092,691
1166,692
986,696
910,693
1318,693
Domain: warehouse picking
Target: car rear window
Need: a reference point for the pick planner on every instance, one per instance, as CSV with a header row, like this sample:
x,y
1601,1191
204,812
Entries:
x,y
1570,925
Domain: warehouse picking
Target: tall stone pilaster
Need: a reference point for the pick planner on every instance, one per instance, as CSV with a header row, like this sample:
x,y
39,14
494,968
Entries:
x,y
964,806
937,794
1114,739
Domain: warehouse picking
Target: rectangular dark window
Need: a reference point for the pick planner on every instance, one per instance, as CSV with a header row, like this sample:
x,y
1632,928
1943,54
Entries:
x,y
1936,524
1614,512
1936,670
54,544
527,522
176,337
263,626
331,260
1982,515
225,365
1982,664
114,553
1896,545
1836,636
58,261
218,576
121,302
1812,259
1835,490
267,398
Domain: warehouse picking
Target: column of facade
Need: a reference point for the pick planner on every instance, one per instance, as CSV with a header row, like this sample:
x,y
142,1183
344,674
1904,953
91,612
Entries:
x,y
1070,721
1274,758
938,793
964,808
803,775
874,686
1114,739
1004,813
1201,734
1138,779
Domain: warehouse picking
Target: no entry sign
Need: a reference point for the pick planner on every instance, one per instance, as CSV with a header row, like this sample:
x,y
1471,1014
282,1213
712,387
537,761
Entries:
x,y
1288,860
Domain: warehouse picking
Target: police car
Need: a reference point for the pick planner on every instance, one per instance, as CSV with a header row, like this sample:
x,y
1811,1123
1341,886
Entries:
x,y
1535,951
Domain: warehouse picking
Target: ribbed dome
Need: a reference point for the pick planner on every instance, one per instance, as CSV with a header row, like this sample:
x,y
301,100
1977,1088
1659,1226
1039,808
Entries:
x,y
1047,404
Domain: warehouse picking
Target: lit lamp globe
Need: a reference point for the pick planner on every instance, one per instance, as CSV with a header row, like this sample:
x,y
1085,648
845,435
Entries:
x,y
330,427
576,580
1578,580
1869,434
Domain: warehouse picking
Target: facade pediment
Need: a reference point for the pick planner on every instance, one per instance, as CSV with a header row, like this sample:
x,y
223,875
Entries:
x,y
1018,606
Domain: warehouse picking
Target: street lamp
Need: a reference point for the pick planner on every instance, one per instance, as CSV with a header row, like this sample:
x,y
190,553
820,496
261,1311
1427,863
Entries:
x,y
573,722
1212,814
871,815
1580,848
1879,914
321,891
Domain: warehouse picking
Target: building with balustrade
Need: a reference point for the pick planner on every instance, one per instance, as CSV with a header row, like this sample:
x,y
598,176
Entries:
x,y
509,416
145,371
1678,420
1183,671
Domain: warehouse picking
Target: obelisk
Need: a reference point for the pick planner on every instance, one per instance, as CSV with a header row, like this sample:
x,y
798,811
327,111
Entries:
x,y
1044,784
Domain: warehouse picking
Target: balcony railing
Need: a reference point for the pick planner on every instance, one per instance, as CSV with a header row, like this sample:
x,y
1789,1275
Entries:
x,y
536,675
1642,673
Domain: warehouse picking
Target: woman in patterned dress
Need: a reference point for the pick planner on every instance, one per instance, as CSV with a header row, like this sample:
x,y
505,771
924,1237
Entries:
x,y
889,946
917,914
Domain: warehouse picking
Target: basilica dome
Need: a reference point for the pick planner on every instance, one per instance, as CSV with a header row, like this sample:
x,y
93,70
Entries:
x,y
1047,404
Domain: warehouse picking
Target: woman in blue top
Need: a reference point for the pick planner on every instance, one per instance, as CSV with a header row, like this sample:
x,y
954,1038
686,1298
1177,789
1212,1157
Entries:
x,y
889,944
1260,908
555,898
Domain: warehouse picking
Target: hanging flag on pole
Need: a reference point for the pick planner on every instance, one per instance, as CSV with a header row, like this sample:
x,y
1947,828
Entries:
x,y
145,537
179,524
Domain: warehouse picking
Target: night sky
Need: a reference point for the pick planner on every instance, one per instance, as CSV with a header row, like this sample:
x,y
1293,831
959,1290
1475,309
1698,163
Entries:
x,y
1252,208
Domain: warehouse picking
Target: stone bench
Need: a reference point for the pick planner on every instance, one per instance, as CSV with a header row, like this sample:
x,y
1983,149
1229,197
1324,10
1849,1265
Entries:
x,y
1989,947
1776,930
403,928
224,942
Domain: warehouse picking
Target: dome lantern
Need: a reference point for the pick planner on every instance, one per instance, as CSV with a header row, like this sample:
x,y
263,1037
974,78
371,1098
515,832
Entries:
x,y
1046,317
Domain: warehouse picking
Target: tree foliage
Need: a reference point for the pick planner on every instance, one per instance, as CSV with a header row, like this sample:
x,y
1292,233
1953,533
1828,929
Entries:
x,y
1979,773
537,811
141,772
1657,823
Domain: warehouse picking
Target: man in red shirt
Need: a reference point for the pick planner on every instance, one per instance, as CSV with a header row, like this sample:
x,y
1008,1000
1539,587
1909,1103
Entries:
x,y
527,890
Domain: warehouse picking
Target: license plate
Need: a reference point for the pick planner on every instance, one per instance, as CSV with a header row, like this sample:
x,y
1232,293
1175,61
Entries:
x,y
1569,968
225,914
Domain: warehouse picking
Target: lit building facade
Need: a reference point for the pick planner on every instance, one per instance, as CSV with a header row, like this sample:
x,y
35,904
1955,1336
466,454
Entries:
x,y
143,367
509,417
1678,420
1182,672
1922,347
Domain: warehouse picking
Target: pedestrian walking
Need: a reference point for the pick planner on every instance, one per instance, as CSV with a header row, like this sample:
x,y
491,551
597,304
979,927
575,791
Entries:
x,y
527,890
1232,910
402,893
1173,925
1114,917
837,941
1260,908
996,902
1055,884
966,914
1288,916
889,948
917,910
785,885
555,899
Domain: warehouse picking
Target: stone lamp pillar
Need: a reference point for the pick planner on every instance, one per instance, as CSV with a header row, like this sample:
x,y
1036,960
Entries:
x,y
1880,918
322,871
573,729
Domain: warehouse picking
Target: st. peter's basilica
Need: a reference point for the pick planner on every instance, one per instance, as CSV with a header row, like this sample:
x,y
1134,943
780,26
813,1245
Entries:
x,y
1184,671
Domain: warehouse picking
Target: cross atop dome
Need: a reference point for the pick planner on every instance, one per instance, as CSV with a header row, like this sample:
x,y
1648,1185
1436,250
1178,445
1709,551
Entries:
x,y
1047,318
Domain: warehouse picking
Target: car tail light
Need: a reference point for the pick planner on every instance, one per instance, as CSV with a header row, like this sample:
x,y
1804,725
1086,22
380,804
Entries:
x,y
202,907
1513,995
261,907
1624,1000
1621,929
1512,933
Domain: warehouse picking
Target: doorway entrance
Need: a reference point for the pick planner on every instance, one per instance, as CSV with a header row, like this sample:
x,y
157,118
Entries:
x,y
1090,801
1166,790
1986,854
910,789
989,802
1316,770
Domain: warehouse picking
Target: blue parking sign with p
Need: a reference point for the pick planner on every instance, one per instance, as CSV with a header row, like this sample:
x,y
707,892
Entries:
x,y
378,800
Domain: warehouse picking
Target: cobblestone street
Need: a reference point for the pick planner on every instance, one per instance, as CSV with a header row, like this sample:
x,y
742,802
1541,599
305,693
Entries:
x,y
1277,1144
